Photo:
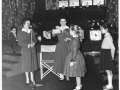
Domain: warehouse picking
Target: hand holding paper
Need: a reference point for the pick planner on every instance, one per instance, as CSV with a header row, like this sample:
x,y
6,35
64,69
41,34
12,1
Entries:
x,y
56,31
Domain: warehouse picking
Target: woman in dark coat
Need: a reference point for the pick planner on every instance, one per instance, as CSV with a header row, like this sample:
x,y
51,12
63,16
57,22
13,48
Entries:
x,y
29,60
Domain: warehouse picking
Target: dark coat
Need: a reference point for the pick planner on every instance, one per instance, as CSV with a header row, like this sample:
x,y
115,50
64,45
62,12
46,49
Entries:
x,y
29,58
12,40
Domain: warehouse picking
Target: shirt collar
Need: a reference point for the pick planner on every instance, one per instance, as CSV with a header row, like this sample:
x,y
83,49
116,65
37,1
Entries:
x,y
106,34
26,30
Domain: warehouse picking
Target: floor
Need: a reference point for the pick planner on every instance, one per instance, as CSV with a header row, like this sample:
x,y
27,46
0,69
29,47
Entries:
x,y
51,82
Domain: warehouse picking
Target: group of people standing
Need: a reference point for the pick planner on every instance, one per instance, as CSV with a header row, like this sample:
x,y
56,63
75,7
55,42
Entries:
x,y
69,60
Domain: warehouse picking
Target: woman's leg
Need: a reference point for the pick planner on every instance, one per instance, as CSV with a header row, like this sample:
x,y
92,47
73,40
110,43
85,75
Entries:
x,y
67,78
78,83
109,76
32,77
27,77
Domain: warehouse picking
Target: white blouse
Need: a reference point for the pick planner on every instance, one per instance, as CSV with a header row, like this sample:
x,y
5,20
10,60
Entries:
x,y
28,31
63,27
108,43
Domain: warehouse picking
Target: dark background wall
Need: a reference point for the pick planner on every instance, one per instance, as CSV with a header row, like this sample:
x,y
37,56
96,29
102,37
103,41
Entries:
x,y
84,17
81,16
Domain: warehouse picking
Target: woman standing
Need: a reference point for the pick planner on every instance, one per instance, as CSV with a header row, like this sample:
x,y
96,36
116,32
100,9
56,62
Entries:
x,y
75,62
61,48
29,61
107,55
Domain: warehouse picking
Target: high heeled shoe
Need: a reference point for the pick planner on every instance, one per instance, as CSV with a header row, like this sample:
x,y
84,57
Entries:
x,y
61,79
27,84
36,85
78,87
107,88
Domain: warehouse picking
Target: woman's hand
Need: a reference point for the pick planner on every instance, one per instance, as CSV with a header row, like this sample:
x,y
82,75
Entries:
x,y
31,45
57,27
72,63
56,31
67,39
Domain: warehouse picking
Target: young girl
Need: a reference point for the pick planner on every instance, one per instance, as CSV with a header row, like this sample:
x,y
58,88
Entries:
x,y
75,63
107,55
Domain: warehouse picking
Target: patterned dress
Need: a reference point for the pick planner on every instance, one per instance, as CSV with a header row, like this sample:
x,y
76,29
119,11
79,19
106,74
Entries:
x,y
79,68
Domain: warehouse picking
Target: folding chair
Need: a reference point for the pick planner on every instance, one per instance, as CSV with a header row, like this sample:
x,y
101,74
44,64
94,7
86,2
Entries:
x,y
45,63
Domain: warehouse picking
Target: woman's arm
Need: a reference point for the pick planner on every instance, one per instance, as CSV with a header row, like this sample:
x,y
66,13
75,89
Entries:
x,y
110,40
55,32
34,37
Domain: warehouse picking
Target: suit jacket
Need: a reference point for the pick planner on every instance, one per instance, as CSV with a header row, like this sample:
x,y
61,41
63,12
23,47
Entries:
x,y
12,37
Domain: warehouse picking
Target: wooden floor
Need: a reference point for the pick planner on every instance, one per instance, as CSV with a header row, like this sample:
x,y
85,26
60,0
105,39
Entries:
x,y
51,82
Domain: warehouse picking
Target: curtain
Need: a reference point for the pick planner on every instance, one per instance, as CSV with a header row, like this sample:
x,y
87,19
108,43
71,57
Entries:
x,y
13,11
112,12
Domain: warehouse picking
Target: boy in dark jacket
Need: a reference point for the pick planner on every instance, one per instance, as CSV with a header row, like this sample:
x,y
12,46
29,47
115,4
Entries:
x,y
13,38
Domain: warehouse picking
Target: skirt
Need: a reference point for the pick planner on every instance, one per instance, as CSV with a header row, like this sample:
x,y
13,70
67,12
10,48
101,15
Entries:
x,y
106,62
60,56
78,69
29,63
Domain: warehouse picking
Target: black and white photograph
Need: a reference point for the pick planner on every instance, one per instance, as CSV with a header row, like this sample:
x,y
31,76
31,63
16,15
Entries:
x,y
60,44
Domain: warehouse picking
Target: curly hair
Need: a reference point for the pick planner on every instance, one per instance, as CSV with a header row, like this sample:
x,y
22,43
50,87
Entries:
x,y
75,28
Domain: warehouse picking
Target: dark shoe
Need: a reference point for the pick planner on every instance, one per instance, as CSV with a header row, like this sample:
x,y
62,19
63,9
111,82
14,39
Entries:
x,y
27,84
61,79
14,51
36,85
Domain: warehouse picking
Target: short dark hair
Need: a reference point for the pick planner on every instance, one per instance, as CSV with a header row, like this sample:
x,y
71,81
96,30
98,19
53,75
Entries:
x,y
106,25
24,20
13,28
